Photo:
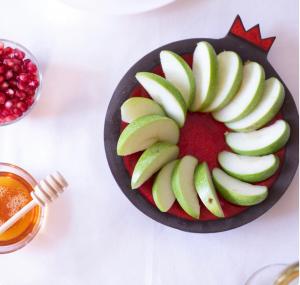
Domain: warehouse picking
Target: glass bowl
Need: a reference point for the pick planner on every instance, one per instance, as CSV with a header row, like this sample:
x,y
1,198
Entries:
x,y
28,55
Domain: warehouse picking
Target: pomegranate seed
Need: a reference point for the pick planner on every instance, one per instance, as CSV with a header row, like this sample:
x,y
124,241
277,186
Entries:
x,y
24,77
10,92
8,104
1,78
21,85
33,84
17,68
9,74
4,85
13,82
31,67
29,100
22,106
10,55
2,69
17,61
17,111
20,94
8,50
10,118
30,91
2,98
9,62
15,100
5,112
19,54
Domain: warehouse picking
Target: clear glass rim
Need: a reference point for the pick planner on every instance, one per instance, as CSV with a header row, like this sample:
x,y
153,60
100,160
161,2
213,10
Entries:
x,y
258,271
37,94
18,245
288,274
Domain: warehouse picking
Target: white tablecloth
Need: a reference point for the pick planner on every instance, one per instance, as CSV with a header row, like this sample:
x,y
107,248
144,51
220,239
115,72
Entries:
x,y
93,235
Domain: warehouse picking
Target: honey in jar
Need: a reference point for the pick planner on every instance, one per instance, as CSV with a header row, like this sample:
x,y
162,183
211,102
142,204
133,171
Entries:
x,y
14,195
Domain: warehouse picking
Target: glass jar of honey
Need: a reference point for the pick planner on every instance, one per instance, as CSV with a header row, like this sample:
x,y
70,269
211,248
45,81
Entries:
x,y
15,187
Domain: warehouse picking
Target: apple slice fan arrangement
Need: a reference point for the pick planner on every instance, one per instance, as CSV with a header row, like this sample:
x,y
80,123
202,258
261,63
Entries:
x,y
202,134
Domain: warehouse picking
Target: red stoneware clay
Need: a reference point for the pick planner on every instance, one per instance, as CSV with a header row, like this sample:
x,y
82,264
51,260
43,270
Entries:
x,y
202,137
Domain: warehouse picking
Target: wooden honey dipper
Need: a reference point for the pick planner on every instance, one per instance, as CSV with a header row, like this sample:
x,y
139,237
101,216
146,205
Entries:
x,y
43,193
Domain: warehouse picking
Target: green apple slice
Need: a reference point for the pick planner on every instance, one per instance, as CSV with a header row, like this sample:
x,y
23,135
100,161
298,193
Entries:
x,y
230,74
206,190
248,168
152,159
162,187
205,67
264,141
145,131
267,108
184,187
136,107
165,94
238,192
247,96
178,72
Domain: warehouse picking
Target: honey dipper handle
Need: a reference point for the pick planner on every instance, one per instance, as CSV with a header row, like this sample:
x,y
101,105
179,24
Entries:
x,y
43,193
10,222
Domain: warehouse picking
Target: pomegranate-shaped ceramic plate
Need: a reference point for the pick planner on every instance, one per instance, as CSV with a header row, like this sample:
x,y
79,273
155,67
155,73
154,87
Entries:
x,y
201,135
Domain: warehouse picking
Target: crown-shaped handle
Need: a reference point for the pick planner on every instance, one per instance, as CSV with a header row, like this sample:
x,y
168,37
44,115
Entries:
x,y
252,35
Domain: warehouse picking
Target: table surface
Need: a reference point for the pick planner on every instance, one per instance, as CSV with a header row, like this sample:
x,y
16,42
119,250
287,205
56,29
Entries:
x,y
93,235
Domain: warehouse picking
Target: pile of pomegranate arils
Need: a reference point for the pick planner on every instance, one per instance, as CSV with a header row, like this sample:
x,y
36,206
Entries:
x,y
19,80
